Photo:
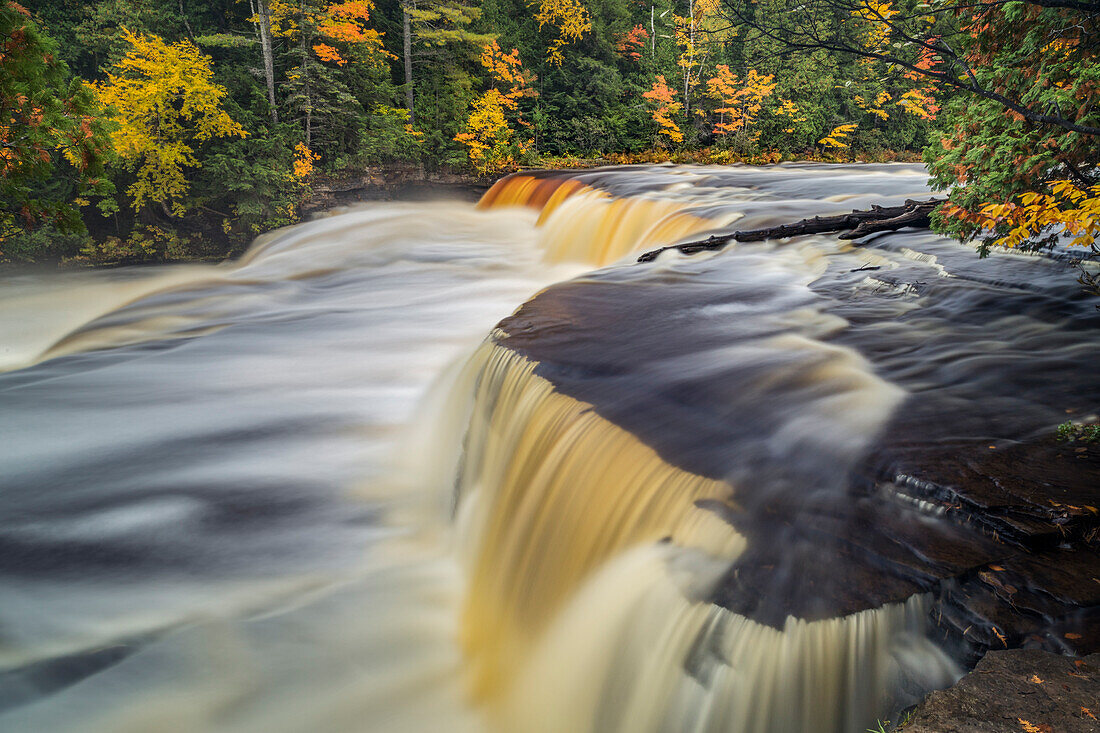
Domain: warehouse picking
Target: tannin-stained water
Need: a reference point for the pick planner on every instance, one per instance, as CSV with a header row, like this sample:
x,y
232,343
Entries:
x,y
337,486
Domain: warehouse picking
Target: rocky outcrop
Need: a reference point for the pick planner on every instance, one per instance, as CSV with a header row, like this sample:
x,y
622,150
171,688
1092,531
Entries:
x,y
1023,690
390,183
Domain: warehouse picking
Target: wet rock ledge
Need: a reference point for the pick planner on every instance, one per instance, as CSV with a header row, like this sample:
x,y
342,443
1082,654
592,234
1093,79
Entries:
x,y
1024,690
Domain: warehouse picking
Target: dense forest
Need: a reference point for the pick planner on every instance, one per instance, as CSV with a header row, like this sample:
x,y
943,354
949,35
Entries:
x,y
136,130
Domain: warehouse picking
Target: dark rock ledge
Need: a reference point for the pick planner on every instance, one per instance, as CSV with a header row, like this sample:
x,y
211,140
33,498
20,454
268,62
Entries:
x,y
1021,690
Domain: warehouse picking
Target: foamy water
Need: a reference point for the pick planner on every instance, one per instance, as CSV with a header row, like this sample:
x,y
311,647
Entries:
x,y
316,490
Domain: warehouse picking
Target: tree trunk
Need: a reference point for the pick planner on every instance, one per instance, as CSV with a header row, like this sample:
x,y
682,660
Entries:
x,y
652,36
408,64
269,56
691,58
306,91
854,225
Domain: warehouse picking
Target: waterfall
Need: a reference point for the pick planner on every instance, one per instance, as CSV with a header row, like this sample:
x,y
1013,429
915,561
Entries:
x,y
425,466
590,562
578,223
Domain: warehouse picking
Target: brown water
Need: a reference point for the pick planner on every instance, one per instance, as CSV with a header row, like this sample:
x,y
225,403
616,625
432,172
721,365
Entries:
x,y
340,485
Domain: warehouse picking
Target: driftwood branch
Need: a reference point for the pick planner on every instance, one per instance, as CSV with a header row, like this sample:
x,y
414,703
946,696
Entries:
x,y
854,225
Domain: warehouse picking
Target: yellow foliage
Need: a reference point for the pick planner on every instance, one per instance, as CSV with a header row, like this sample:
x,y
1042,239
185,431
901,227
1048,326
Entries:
x,y
877,107
685,39
162,100
571,19
303,161
835,138
742,99
790,110
283,18
877,15
488,134
666,106
919,102
1069,208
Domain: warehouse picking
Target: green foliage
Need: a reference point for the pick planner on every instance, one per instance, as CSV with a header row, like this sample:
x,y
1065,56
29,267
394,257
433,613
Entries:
x,y
1071,431
147,243
338,79
45,243
1043,59
249,184
52,142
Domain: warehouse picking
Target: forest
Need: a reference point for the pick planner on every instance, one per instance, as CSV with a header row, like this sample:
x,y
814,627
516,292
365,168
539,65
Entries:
x,y
135,130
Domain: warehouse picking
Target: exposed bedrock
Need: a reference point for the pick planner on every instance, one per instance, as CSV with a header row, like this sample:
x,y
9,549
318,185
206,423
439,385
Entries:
x,y
881,437
1017,690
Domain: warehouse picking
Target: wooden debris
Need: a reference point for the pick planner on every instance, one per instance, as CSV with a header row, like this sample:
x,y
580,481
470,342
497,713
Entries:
x,y
853,226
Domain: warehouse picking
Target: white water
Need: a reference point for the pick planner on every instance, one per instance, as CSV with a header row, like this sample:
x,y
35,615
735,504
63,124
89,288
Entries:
x,y
285,385
228,491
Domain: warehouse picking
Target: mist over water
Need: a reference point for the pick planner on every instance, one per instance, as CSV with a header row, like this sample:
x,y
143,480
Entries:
x,y
344,485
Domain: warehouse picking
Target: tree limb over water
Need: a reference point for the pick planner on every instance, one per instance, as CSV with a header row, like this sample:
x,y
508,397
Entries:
x,y
852,226
826,25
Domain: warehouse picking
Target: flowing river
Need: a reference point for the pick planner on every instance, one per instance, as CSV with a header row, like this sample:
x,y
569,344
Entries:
x,y
432,467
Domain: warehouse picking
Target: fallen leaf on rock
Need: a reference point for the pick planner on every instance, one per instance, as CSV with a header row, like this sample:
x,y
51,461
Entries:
x,y
1029,728
1036,679
1071,635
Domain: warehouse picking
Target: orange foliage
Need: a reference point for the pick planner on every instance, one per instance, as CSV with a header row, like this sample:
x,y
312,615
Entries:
x,y
920,100
508,76
665,106
339,23
326,52
629,44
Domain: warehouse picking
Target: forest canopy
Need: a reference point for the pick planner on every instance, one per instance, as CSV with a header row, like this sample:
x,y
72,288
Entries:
x,y
136,130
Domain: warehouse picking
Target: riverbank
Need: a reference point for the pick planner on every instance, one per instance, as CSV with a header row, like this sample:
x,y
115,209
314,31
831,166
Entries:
x,y
206,235
1015,690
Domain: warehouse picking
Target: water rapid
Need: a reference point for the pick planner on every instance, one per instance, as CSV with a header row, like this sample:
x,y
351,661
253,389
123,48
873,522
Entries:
x,y
428,466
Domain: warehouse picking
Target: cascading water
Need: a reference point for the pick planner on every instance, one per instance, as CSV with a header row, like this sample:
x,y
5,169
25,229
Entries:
x,y
305,490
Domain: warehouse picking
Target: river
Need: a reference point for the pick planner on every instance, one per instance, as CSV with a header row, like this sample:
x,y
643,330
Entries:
x,y
343,484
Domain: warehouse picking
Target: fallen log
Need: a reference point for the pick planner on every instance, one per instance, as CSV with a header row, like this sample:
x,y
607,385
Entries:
x,y
854,225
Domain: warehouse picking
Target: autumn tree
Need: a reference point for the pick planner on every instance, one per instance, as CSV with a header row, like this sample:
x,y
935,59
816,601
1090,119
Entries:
x,y
1020,134
698,35
52,143
490,139
663,102
334,53
1024,172
741,100
163,103
630,45
570,20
